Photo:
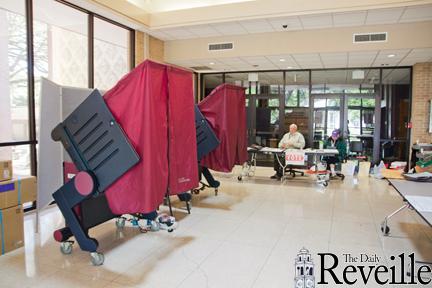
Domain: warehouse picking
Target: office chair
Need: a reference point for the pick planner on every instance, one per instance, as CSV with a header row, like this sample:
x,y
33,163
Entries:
x,y
290,169
357,148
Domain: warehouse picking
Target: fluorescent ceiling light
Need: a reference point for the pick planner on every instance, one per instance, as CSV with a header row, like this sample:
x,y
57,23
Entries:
x,y
282,60
155,6
391,55
211,63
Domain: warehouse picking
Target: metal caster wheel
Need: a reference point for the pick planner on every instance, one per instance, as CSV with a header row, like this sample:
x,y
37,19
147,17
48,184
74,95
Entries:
x,y
120,222
292,174
216,191
97,259
325,184
66,247
239,178
385,229
342,177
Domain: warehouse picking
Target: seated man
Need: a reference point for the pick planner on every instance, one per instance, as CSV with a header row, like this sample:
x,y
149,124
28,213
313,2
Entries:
x,y
291,140
335,141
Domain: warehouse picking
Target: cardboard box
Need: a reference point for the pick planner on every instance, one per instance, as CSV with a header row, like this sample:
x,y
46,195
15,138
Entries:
x,y
17,191
5,170
11,229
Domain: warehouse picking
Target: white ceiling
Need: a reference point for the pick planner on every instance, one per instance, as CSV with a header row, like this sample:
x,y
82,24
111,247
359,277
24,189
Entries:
x,y
317,21
154,6
405,57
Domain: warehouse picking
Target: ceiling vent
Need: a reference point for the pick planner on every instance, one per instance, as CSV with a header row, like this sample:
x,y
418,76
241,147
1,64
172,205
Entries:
x,y
220,46
370,37
200,68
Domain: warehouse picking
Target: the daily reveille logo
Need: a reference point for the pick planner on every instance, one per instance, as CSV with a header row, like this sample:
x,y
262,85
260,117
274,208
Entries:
x,y
361,269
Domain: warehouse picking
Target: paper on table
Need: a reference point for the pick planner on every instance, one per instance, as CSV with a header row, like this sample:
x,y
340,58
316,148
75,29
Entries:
x,y
272,150
420,203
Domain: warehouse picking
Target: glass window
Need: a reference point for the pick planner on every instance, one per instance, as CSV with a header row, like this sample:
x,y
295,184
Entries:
x,y
270,83
291,97
333,102
368,102
14,124
319,124
297,89
111,53
238,79
368,121
211,81
20,156
333,121
345,81
60,46
354,122
274,102
319,103
274,117
354,101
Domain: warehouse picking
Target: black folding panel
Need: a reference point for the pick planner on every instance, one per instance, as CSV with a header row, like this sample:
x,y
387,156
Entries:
x,y
96,142
206,138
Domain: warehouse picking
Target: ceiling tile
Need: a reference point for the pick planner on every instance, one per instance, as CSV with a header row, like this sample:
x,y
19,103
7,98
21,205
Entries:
x,y
257,26
316,21
422,53
417,13
204,31
293,23
161,35
398,55
334,60
361,59
314,57
255,59
229,28
232,61
288,61
384,16
179,33
349,19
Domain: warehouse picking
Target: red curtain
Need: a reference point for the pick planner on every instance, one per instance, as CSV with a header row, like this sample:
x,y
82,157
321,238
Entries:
x,y
225,111
145,105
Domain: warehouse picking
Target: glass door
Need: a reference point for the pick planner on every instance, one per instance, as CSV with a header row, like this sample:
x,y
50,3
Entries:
x,y
265,120
360,124
327,116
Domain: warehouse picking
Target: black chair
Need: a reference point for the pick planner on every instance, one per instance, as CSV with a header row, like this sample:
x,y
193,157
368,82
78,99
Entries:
x,y
356,147
290,169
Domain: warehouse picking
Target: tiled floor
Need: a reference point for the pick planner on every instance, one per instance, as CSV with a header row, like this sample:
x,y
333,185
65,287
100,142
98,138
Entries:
x,y
247,236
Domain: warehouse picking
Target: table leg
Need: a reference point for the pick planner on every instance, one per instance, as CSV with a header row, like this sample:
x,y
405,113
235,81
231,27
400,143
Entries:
x,y
384,225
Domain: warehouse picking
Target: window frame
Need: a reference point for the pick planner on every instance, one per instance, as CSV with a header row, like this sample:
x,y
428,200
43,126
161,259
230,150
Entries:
x,y
32,141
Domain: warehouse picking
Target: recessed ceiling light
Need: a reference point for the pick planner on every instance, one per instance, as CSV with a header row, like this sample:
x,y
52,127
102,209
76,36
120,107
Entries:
x,y
289,67
282,60
391,55
211,63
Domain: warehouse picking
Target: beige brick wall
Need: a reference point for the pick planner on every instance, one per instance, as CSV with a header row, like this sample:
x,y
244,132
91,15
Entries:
x,y
139,47
422,94
156,49
148,47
